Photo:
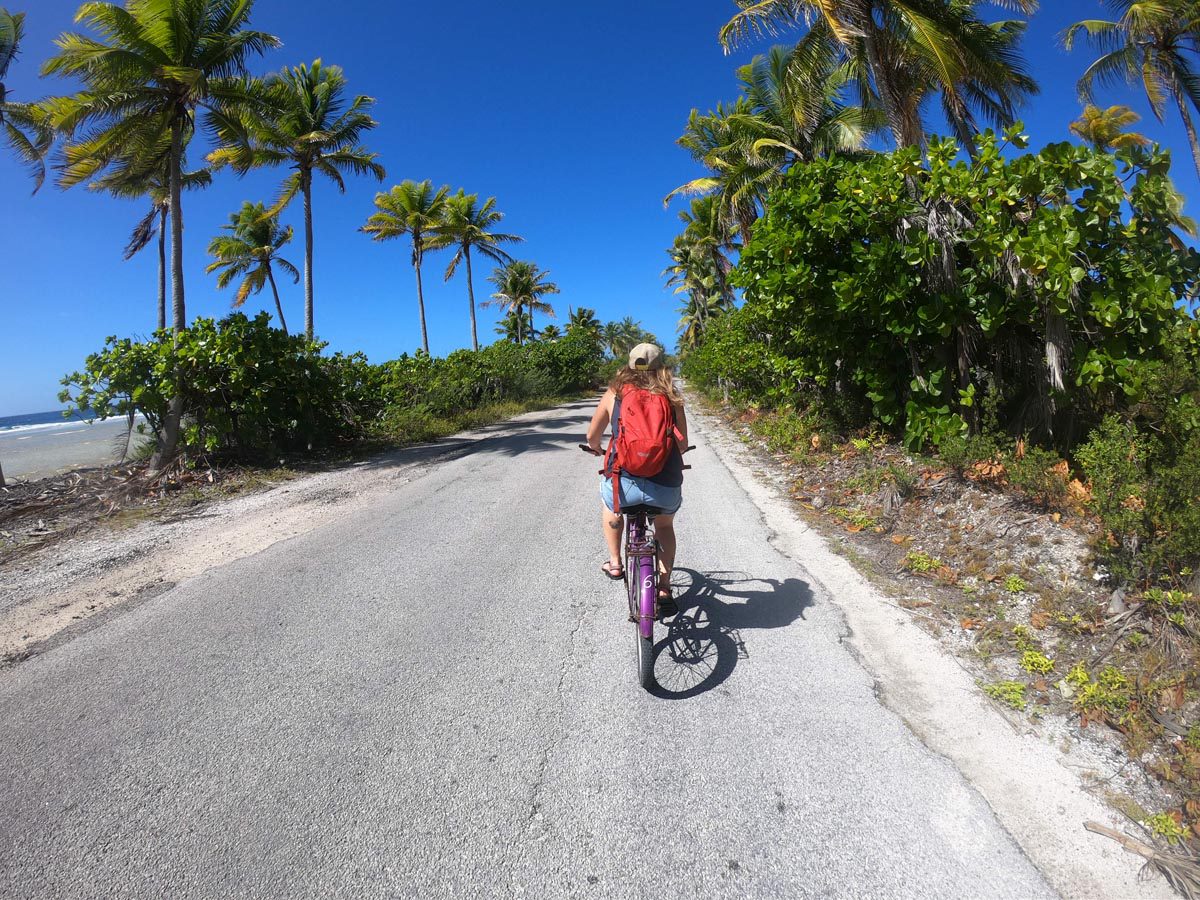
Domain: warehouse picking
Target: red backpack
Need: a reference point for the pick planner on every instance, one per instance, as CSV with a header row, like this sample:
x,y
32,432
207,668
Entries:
x,y
646,435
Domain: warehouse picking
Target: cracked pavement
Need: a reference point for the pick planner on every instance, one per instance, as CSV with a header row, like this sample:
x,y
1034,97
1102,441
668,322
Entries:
x,y
436,697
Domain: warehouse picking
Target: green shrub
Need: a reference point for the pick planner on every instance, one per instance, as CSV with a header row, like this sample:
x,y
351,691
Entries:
x,y
248,389
1010,693
1041,473
844,294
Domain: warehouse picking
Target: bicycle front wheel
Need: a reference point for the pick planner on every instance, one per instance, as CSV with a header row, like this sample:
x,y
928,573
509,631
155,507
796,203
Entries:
x,y
642,599
645,659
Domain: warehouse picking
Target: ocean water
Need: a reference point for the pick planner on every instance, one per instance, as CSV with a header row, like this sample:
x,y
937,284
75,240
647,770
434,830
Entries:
x,y
30,421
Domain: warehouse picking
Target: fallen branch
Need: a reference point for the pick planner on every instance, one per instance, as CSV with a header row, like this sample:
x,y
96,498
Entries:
x,y
1182,869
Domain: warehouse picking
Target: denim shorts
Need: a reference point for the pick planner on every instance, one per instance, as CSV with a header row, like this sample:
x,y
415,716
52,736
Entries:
x,y
637,491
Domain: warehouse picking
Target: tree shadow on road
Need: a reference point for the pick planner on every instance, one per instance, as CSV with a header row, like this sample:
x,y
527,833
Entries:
x,y
562,431
704,641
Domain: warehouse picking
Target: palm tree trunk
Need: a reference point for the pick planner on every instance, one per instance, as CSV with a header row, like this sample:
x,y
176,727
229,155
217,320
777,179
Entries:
x,y
520,320
306,184
162,268
174,417
1191,128
278,307
1,476
471,297
420,292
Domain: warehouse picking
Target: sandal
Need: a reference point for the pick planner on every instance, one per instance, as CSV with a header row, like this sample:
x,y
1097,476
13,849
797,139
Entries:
x,y
666,602
616,572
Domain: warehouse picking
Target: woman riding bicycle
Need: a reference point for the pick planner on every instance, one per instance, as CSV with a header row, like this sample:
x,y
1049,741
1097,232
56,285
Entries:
x,y
664,490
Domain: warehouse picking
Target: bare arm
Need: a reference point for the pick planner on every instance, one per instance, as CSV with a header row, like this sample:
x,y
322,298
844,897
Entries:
x,y
600,420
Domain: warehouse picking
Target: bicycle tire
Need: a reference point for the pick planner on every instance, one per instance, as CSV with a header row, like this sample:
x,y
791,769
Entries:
x,y
646,604
645,660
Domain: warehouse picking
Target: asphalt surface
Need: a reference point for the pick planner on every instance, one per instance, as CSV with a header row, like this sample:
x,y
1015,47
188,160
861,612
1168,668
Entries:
x,y
436,697
48,450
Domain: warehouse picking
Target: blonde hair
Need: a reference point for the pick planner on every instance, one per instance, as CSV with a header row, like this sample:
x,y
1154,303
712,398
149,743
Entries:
x,y
659,380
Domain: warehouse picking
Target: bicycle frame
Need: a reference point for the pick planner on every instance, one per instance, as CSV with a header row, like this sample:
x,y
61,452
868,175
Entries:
x,y
641,573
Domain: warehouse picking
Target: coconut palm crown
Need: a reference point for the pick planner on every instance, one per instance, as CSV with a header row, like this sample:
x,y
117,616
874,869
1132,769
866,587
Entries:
x,y
520,287
300,118
900,52
1152,44
250,251
1105,130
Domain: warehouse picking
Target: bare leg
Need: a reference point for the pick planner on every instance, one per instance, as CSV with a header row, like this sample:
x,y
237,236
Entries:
x,y
612,535
664,530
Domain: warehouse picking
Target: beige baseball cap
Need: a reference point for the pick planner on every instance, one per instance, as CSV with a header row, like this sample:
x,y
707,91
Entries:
x,y
645,356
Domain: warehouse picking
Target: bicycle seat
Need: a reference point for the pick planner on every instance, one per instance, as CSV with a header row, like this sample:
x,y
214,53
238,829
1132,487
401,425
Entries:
x,y
641,509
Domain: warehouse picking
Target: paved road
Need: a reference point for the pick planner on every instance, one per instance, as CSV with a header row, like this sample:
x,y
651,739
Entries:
x,y
38,452
436,698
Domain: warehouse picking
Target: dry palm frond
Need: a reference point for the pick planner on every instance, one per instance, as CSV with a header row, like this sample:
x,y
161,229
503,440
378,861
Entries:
x,y
1181,866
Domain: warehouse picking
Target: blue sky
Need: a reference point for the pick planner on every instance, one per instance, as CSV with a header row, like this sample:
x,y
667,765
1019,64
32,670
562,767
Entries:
x,y
567,113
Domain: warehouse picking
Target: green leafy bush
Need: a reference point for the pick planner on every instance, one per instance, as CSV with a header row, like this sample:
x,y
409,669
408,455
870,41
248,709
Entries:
x,y
250,390
247,388
847,289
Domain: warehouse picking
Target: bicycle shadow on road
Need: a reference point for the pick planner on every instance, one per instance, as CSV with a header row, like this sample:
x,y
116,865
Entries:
x,y
704,641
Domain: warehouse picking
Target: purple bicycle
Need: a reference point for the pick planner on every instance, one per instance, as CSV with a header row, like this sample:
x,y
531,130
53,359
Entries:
x,y
641,579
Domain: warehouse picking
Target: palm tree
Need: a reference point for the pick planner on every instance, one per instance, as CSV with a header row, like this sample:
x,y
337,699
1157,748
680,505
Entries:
x,y
1151,41
300,120
415,209
1105,130
513,327
550,333
131,180
154,64
791,110
520,287
619,338
465,226
250,251
901,51
24,131
583,319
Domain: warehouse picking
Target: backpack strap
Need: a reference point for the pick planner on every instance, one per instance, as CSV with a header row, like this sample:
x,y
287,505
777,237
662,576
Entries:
x,y
611,469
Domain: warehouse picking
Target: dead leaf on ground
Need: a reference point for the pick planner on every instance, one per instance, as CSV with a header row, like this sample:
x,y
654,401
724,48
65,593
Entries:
x,y
1039,619
900,538
971,624
1172,697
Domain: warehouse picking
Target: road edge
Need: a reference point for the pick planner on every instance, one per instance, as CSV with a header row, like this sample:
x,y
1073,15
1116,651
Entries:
x,y
1026,782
